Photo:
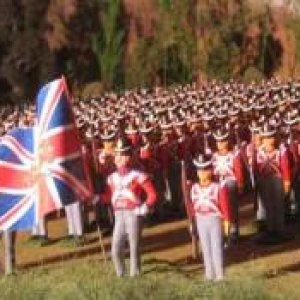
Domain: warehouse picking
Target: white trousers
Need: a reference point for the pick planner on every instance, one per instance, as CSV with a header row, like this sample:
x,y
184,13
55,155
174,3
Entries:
x,y
74,219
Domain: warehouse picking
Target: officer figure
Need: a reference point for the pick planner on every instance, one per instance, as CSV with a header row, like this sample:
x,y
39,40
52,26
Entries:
x,y
124,191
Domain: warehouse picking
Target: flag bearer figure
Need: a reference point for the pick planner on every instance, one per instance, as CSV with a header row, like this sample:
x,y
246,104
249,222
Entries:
x,y
274,176
228,169
124,190
210,204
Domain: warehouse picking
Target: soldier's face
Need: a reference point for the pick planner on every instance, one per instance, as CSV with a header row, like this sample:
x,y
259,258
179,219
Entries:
x,y
122,160
269,143
205,175
108,145
257,140
222,145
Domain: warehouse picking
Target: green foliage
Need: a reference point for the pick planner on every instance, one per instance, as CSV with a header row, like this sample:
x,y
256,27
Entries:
x,y
264,20
24,57
225,53
107,45
142,65
170,55
184,38
166,4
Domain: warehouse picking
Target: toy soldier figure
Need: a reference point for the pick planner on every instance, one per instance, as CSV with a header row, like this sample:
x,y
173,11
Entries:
x,y
124,190
148,152
167,160
229,169
210,204
251,154
184,142
274,176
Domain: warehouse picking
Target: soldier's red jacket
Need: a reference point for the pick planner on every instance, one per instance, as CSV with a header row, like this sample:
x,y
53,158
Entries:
x,y
148,159
167,152
276,163
212,200
229,167
125,188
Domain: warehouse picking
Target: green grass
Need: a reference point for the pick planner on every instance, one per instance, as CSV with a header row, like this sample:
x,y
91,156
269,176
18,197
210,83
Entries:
x,y
87,279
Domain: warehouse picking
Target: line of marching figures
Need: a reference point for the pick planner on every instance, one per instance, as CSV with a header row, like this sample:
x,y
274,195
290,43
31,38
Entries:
x,y
201,176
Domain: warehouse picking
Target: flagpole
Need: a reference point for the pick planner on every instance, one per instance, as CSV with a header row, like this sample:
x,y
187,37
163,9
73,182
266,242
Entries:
x,y
9,251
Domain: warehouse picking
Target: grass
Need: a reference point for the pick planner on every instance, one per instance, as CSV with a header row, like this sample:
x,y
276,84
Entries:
x,y
252,272
91,279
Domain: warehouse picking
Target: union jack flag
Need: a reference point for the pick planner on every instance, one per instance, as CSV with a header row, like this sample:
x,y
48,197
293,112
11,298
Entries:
x,y
42,168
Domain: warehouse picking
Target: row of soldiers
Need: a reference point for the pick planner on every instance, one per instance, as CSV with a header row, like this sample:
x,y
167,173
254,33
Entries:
x,y
245,135
166,129
169,126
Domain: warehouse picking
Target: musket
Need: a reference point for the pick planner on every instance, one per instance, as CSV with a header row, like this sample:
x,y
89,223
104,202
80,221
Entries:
x,y
187,204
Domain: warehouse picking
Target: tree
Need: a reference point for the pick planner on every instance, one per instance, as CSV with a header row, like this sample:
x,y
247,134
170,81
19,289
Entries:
x,y
107,45
25,58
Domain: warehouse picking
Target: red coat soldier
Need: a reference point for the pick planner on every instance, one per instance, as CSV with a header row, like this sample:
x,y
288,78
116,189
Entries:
x,y
124,190
228,168
210,203
274,176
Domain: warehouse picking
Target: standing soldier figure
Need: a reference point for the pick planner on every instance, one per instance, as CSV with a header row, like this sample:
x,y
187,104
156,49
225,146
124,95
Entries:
x,y
251,152
228,168
210,204
124,191
274,176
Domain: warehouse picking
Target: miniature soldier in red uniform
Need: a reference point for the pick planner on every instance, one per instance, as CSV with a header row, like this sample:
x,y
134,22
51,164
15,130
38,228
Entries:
x,y
167,152
229,169
210,204
251,154
274,176
124,191
148,151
